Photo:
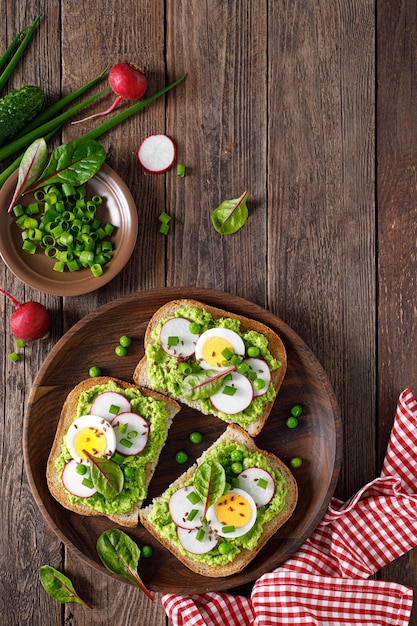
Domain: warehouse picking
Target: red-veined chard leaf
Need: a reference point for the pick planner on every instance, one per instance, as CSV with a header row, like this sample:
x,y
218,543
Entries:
x,y
74,162
59,586
203,384
31,166
209,482
231,215
107,476
120,555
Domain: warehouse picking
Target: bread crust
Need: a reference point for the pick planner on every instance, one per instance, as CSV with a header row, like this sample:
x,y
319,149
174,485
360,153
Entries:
x,y
68,413
275,346
232,433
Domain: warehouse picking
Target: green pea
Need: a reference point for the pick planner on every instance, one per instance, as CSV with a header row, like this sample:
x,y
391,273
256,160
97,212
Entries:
x,y
236,455
120,350
146,551
296,462
224,548
125,341
253,351
129,471
236,467
94,371
259,383
296,410
196,437
292,422
81,469
181,457
243,368
194,328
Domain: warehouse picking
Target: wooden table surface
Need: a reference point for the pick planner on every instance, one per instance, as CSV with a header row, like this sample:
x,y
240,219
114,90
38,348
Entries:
x,y
311,106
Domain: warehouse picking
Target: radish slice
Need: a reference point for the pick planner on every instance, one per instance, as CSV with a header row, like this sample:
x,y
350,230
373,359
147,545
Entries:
x,y
157,154
73,481
258,483
224,401
108,404
185,512
132,432
190,539
262,371
176,339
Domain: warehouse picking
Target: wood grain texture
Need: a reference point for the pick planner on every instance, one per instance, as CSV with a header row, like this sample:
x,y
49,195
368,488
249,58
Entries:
x,y
282,98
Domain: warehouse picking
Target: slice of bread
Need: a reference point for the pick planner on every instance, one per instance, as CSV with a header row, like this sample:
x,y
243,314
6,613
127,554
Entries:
x,y
68,415
287,487
275,346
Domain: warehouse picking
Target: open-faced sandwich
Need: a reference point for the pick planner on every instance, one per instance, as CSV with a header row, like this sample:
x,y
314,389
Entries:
x,y
217,516
106,448
217,362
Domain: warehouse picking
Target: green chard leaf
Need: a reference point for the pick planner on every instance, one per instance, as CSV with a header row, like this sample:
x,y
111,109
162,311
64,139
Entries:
x,y
107,476
209,482
74,162
203,384
120,555
231,215
59,586
31,166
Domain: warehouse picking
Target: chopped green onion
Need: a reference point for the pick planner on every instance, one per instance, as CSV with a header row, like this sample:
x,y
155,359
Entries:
x,y
164,229
228,529
193,497
229,391
126,443
20,343
201,533
173,341
191,515
262,483
122,428
13,356
180,170
87,483
227,353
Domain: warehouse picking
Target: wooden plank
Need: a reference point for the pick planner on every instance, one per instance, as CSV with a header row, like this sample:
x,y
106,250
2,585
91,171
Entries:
x,y
396,188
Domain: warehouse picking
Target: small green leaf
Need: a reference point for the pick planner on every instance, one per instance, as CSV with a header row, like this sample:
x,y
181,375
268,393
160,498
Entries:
x,y
74,163
59,586
120,555
203,384
107,476
231,215
209,482
31,166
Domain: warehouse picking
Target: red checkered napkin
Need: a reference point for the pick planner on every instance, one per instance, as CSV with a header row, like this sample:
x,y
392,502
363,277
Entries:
x,y
326,582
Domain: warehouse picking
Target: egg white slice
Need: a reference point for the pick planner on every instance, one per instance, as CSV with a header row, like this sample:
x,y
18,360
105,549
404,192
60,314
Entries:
x,y
222,524
176,338
209,347
101,441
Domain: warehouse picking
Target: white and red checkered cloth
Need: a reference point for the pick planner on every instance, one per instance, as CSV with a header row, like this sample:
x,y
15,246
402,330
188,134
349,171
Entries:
x,y
326,582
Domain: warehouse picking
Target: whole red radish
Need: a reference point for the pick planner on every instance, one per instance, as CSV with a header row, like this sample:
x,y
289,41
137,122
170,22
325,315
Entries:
x,y
127,81
29,321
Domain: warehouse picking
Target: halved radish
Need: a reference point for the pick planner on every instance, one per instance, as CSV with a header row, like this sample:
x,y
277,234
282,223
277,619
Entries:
x,y
185,508
258,483
132,432
197,541
108,404
176,339
157,154
73,481
234,396
262,371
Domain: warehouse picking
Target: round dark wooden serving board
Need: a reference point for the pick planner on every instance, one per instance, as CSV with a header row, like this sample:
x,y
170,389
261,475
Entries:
x,y
317,439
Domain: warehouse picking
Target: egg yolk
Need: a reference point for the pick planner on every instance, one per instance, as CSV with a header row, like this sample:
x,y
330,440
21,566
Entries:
x,y
233,510
91,439
212,349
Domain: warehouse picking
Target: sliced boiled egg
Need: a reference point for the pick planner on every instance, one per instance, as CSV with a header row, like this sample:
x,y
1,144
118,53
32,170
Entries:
x,y
176,338
234,396
215,347
232,515
93,434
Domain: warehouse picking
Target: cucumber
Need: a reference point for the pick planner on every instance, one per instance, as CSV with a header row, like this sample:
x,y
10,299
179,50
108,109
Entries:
x,y
17,109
